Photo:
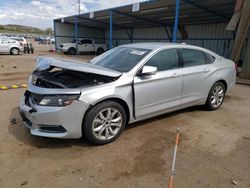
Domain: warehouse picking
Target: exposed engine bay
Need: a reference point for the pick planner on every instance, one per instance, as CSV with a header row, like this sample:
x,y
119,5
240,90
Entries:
x,y
56,77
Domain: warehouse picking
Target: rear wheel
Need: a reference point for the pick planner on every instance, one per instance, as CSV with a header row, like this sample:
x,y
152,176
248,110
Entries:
x,y
99,51
14,51
104,122
216,96
72,51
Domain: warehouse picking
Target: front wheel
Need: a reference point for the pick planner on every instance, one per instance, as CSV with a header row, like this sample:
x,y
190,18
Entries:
x,y
14,51
104,122
216,96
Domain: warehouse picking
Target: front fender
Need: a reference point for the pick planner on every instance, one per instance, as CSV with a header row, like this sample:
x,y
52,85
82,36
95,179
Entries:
x,y
97,95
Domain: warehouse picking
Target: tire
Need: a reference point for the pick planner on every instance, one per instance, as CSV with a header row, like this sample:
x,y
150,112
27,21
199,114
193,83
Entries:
x,y
14,51
72,51
100,118
216,96
99,51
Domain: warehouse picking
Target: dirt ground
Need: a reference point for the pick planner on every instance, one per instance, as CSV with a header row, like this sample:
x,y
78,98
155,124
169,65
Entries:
x,y
214,147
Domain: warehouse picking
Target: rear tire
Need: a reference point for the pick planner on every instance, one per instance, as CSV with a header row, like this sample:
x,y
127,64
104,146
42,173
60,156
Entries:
x,y
99,51
72,51
104,123
216,96
14,51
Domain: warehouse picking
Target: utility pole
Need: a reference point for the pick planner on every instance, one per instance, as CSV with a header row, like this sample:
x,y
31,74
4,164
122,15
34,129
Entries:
x,y
79,6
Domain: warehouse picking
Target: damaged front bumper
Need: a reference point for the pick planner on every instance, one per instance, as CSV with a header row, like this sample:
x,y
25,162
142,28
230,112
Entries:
x,y
55,122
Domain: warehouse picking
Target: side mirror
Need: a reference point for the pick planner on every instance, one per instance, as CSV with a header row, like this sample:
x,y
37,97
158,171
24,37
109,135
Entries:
x,y
148,70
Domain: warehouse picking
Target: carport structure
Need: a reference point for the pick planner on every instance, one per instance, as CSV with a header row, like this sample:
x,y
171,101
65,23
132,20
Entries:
x,y
195,22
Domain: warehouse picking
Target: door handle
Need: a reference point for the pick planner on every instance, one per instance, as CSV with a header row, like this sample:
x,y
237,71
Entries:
x,y
206,70
175,75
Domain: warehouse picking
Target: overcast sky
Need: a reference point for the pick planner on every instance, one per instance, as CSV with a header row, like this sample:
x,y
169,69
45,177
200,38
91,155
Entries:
x,y
41,13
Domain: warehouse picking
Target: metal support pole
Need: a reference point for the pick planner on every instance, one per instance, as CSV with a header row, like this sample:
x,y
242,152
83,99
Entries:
x,y
79,6
76,33
176,20
131,36
110,30
103,36
55,35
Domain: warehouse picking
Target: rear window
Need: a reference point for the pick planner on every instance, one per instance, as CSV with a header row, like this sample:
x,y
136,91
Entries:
x,y
86,41
208,58
192,57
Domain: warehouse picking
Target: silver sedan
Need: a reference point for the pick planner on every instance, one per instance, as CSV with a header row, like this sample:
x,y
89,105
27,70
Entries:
x,y
126,84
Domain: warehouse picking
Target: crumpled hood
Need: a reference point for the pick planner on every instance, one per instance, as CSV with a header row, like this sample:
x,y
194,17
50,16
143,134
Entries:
x,y
44,63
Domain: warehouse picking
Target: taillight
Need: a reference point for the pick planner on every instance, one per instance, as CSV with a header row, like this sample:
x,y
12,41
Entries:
x,y
236,67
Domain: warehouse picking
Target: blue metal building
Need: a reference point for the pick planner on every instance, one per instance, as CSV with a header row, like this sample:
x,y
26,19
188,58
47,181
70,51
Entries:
x,y
195,22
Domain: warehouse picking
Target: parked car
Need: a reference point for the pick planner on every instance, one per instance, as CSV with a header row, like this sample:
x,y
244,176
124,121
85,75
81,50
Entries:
x,y
83,46
21,40
10,46
126,84
52,40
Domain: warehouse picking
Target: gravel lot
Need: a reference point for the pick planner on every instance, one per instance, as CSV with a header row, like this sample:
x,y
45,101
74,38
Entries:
x,y
214,148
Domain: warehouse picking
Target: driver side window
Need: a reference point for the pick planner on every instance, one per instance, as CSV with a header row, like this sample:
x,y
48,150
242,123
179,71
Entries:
x,y
86,41
164,60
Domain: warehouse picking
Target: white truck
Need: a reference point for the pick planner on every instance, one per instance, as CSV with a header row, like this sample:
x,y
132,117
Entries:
x,y
84,45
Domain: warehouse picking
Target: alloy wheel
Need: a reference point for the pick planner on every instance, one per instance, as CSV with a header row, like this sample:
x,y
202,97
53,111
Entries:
x,y
217,96
107,124
15,51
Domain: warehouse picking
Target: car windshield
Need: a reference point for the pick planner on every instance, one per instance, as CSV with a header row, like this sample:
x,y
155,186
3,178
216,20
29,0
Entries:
x,y
121,59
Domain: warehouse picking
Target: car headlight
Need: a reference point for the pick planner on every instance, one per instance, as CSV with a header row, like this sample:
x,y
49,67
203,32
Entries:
x,y
57,100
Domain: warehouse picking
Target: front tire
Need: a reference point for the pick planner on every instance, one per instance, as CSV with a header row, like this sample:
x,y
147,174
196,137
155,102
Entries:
x,y
216,96
14,51
72,51
104,122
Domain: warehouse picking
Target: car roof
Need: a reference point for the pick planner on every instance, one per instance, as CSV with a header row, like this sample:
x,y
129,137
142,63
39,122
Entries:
x,y
158,45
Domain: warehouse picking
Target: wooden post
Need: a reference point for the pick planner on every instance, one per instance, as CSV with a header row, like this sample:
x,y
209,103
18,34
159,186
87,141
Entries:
x,y
245,73
241,31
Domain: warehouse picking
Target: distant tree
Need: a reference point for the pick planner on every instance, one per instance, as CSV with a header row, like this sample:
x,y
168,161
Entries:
x,y
48,31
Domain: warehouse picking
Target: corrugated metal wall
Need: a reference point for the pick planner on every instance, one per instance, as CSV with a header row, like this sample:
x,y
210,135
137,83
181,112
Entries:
x,y
210,36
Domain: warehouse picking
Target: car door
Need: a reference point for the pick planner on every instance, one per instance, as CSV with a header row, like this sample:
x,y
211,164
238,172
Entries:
x,y
160,92
86,45
196,75
4,45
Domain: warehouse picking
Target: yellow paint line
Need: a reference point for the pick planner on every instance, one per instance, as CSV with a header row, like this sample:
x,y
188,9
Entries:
x,y
4,87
